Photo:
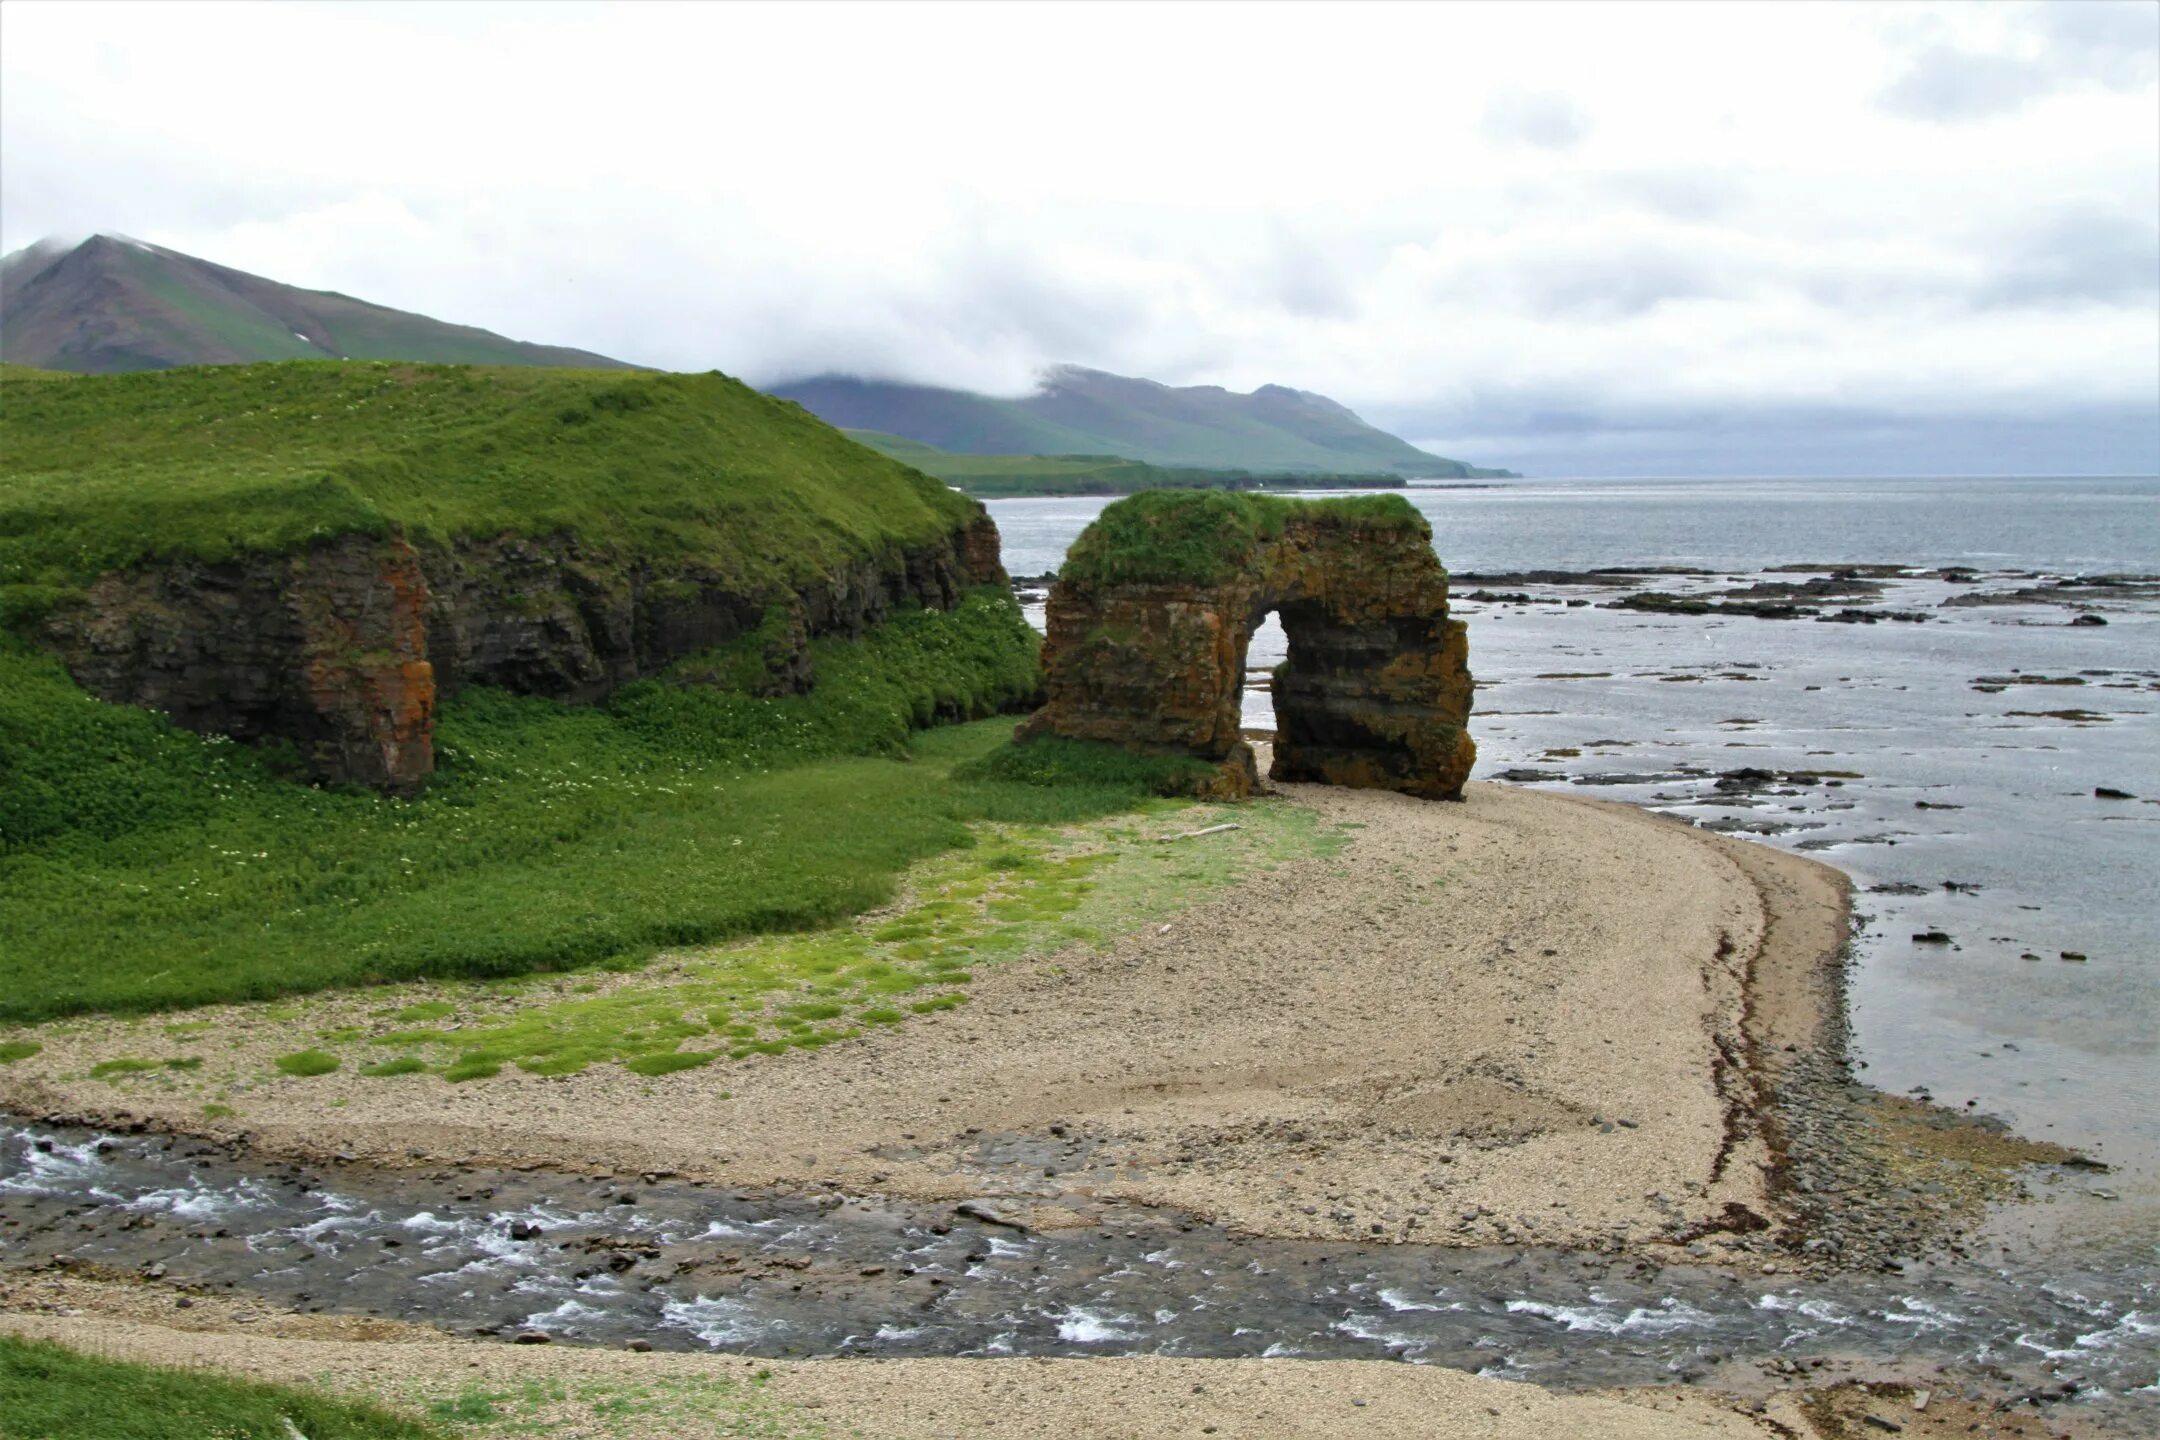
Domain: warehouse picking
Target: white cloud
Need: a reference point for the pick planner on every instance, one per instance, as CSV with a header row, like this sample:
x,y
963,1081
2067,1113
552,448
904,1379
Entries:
x,y
1996,60
1550,122
1465,216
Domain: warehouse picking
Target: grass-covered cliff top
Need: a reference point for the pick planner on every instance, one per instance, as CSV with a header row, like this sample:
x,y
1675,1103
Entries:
x,y
106,472
1207,536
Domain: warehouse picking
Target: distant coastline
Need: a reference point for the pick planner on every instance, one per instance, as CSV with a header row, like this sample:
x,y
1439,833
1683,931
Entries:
x,y
1014,477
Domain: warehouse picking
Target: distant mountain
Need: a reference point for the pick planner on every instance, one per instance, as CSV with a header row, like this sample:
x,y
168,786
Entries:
x,y
111,304
989,476
1274,430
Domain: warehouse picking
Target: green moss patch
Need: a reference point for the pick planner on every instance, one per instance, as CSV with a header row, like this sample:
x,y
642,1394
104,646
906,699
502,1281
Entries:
x,y
307,1062
601,1407
667,1062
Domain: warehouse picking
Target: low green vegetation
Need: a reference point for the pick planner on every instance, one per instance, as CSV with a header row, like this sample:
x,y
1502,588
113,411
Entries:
x,y
1021,889
1205,537
307,1062
48,1392
1007,476
143,867
692,1407
109,471
779,992
1052,760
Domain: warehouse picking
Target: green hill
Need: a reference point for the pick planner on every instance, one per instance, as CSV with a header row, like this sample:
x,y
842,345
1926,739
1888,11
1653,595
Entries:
x,y
112,304
106,472
993,476
1273,430
717,782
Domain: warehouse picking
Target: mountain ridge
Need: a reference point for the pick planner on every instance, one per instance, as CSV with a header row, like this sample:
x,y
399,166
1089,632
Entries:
x,y
1079,411
110,304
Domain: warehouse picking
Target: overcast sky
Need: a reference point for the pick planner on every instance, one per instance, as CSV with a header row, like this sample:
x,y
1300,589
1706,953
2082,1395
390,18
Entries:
x,y
1605,239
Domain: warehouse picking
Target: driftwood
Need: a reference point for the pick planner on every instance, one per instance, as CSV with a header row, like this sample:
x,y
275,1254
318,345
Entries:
x,y
1196,834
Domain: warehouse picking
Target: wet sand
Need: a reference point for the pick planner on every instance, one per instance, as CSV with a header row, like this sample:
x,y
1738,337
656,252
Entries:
x,y
1524,1017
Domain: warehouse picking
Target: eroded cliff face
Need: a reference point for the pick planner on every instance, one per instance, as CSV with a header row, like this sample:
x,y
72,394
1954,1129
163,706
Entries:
x,y
1375,693
343,649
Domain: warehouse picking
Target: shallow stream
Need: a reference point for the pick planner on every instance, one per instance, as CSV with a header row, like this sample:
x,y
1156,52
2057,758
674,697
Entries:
x,y
683,1266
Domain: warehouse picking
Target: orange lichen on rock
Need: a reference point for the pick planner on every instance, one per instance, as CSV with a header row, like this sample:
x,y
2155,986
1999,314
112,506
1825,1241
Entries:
x,y
1375,692
368,675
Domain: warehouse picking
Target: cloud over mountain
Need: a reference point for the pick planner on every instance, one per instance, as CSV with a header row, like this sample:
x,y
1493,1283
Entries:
x,y
1729,224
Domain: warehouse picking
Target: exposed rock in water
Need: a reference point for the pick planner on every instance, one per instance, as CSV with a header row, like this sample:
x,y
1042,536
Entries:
x,y
344,648
1845,571
1662,602
1870,617
1838,585
1376,689
2076,590
1606,575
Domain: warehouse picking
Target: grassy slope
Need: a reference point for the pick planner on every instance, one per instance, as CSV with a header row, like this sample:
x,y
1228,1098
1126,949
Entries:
x,y
143,867
191,316
52,1393
1206,536
108,471
991,476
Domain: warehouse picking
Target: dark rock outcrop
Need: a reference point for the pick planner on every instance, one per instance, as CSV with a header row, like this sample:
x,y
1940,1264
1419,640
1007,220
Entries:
x,y
327,649
343,649
1375,692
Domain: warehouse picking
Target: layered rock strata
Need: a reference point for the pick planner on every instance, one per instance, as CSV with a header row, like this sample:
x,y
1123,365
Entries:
x,y
344,648
1375,693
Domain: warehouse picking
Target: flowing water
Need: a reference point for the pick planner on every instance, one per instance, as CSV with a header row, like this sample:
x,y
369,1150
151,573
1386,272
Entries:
x,y
687,1267
1937,779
